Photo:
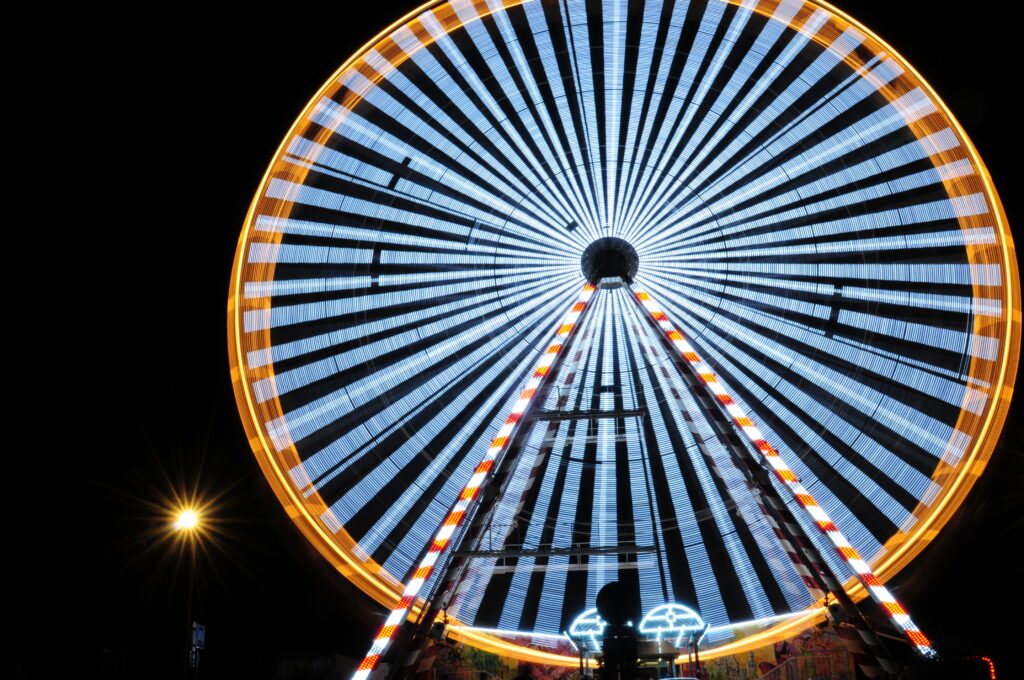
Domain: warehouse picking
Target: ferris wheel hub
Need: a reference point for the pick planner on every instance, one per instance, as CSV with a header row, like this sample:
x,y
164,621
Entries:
x,y
610,257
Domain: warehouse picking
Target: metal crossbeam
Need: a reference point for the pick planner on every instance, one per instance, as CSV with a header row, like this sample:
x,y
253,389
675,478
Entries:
x,y
585,415
548,552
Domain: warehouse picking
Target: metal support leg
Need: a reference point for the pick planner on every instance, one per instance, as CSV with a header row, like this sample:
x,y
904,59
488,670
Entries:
x,y
730,409
469,542
471,492
864,644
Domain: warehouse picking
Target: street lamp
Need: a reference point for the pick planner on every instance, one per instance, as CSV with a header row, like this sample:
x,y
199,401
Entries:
x,y
186,520
187,523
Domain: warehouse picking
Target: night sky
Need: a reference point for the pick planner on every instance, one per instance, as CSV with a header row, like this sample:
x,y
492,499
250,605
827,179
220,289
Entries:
x,y
151,144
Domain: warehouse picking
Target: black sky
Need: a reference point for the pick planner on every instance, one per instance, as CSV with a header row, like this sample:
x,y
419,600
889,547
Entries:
x,y
147,144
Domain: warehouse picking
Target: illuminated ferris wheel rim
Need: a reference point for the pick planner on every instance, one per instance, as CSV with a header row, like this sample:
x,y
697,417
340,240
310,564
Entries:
x,y
344,552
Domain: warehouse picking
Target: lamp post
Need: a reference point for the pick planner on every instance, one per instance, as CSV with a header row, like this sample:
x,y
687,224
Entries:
x,y
187,524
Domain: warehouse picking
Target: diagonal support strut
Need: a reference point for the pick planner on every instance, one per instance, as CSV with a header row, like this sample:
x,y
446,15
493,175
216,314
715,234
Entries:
x,y
448,586
897,614
471,492
857,635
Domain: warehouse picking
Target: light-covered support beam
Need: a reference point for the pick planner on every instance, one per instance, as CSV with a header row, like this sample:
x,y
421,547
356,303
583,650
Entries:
x,y
745,424
471,491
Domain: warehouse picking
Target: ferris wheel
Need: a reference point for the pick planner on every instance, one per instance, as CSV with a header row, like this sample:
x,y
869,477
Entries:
x,y
534,296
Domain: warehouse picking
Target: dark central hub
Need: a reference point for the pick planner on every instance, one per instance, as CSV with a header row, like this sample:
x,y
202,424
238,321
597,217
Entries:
x,y
608,257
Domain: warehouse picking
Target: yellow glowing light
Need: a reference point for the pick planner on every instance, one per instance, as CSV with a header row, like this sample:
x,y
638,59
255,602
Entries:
x,y
186,520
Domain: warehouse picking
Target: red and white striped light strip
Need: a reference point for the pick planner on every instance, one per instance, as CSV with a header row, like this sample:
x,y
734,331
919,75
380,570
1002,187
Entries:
x,y
878,591
471,490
